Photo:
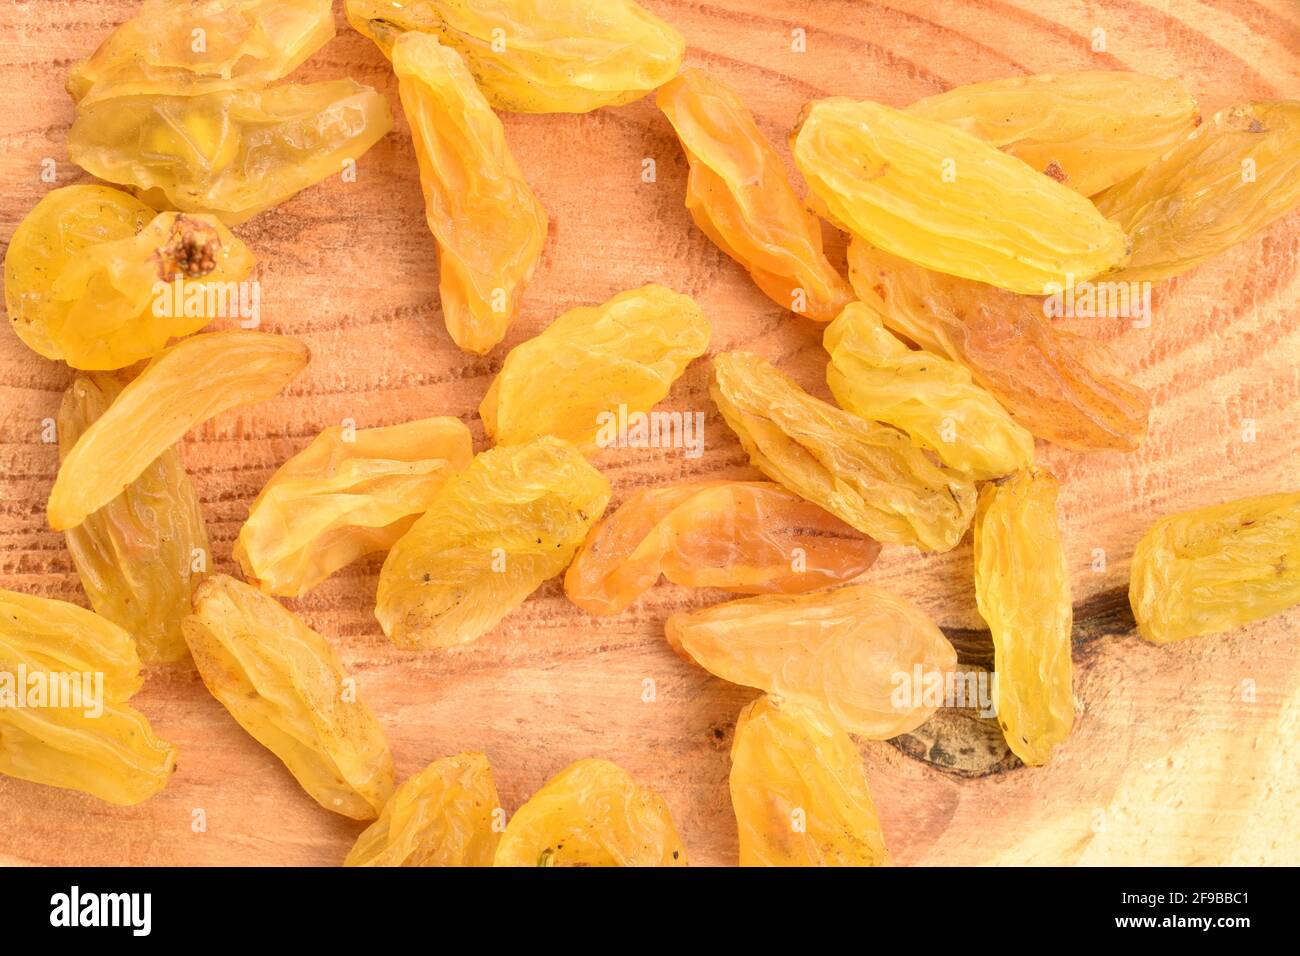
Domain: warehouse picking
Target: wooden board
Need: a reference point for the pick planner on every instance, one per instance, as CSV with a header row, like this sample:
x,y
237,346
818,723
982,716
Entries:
x,y
1185,754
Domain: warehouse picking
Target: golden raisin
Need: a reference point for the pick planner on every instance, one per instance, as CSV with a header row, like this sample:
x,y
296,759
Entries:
x,y
799,790
1022,588
592,365
592,813
347,494
739,195
1212,569
752,537
286,686
847,651
923,190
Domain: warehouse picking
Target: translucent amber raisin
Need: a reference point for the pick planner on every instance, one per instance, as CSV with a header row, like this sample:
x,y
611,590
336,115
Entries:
x,y
799,790
232,153
83,274
876,376
113,756
347,494
1022,587
539,56
489,226
753,537
846,651
491,536
97,743
925,191
203,45
286,686
1088,129
140,556
1235,175
1216,568
592,364
867,474
188,383
63,638
739,195
443,816
592,813
1063,387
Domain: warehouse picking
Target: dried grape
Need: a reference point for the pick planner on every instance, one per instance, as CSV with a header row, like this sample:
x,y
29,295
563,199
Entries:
x,y
202,46
934,400
845,651
1061,386
592,813
491,536
140,556
92,741
753,537
799,790
1022,588
286,686
1087,129
867,474
443,816
1215,568
1235,175
231,153
113,756
188,383
739,195
61,637
538,56
924,190
592,363
347,494
489,225
82,276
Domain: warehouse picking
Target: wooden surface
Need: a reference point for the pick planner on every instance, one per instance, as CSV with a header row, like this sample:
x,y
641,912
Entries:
x,y
1186,754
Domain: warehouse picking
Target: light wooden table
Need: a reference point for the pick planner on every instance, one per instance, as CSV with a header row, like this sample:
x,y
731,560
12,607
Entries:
x,y
1185,754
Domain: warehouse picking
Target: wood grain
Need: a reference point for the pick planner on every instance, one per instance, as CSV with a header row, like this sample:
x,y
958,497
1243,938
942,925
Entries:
x,y
1185,754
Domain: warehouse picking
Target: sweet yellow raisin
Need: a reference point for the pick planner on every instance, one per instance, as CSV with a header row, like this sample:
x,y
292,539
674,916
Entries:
x,y
1022,588
113,755
1235,175
739,195
59,637
188,383
753,537
231,153
868,474
65,677
592,813
1062,387
489,225
947,201
538,56
443,816
140,556
92,277
347,494
799,790
1216,568
286,686
845,650
203,45
491,536
1087,129
593,366
876,376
